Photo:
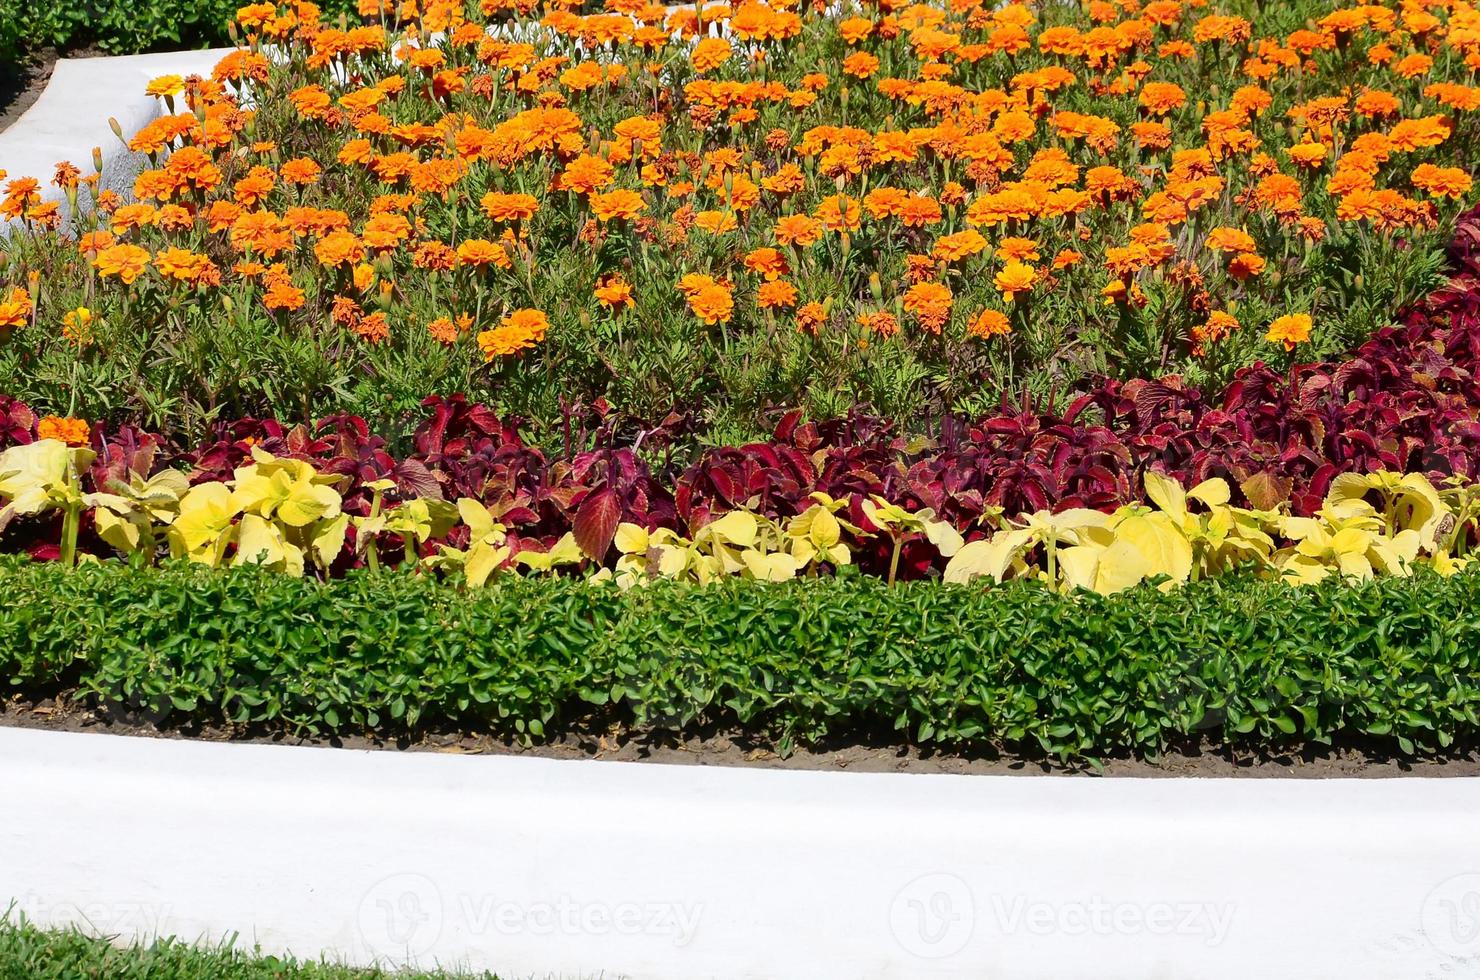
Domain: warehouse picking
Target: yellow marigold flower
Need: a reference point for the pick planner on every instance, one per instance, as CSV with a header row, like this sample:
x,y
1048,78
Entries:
x,y
1290,329
165,85
1014,278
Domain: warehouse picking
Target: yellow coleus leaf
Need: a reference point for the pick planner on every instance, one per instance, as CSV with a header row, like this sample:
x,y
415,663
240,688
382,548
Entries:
x,y
1166,493
120,532
990,558
261,542
203,529
1214,492
483,559
29,472
738,528
631,539
775,567
1145,546
328,540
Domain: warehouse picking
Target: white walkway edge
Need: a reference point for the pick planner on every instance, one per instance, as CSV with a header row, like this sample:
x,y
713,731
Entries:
x,y
554,868
71,116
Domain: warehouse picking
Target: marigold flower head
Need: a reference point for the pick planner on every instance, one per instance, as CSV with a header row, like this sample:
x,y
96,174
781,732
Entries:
x,y
1014,278
1290,329
127,262
990,323
517,332
614,292
72,431
712,304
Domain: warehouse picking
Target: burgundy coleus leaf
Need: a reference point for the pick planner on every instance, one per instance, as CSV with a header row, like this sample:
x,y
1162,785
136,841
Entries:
x,y
413,479
596,522
17,422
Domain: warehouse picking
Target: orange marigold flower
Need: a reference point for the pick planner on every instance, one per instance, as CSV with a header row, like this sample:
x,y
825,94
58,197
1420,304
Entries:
x,y
509,207
586,174
930,302
339,248
1308,154
810,317
1161,98
710,53
479,252
517,332
860,64
1017,250
127,262
776,294
797,229
1245,265
767,262
1441,181
373,328
16,310
72,431
990,323
881,322
617,205
950,248
712,304
614,292
1226,239
300,171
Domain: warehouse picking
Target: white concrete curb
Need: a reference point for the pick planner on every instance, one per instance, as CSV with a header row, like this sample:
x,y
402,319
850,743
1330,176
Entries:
x,y
540,867
71,116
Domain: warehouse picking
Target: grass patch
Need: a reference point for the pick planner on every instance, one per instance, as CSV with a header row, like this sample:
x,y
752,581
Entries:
x,y
29,953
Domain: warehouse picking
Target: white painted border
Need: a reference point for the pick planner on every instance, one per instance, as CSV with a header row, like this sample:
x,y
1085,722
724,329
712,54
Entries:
x,y
71,115
542,867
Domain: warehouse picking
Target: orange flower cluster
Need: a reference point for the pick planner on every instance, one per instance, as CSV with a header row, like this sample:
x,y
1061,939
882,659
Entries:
x,y
985,175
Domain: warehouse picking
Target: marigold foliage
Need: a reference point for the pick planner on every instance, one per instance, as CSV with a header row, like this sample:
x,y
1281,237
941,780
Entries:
x,y
974,200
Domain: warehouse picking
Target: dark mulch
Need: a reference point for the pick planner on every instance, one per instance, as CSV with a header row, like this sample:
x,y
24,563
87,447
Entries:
x,y
730,748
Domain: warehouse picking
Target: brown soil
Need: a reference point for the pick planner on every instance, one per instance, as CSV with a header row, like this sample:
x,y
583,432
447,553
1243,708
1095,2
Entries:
x,y
22,82
735,749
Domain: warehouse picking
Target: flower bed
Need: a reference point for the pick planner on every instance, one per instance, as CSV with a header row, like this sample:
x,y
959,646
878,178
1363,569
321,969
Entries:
x,y
672,209
1013,305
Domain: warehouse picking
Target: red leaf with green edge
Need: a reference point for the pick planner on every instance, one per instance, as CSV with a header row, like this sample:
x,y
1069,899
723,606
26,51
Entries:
x,y
596,522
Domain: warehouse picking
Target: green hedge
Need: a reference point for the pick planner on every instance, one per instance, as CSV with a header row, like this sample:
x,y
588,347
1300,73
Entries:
x,y
124,26
1232,660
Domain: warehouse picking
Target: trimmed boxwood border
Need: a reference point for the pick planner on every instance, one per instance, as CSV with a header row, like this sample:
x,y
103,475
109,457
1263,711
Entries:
x,y
1235,661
